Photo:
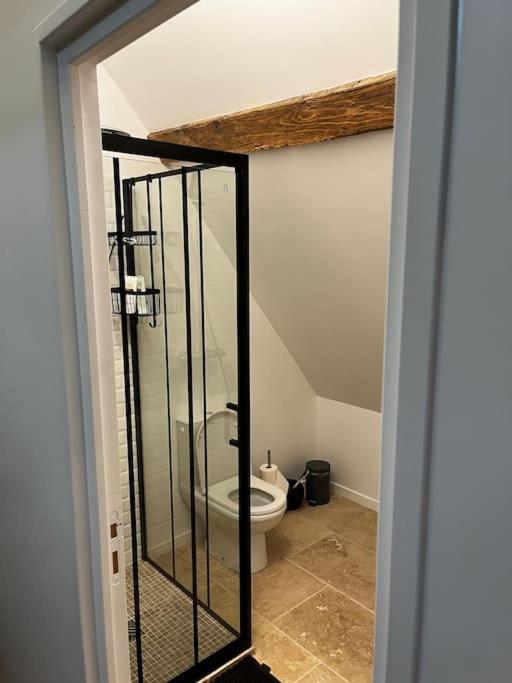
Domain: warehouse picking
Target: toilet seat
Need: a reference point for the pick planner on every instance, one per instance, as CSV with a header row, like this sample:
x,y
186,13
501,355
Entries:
x,y
266,499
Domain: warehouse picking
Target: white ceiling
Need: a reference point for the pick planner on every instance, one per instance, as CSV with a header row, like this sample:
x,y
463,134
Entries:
x,y
319,213
220,56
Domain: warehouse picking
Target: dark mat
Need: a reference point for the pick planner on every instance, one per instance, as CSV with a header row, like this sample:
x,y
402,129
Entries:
x,y
247,670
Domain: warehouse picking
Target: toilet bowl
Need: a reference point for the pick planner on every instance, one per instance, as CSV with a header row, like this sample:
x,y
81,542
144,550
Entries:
x,y
268,502
268,505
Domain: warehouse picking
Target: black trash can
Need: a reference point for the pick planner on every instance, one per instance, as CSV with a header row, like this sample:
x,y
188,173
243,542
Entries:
x,y
318,482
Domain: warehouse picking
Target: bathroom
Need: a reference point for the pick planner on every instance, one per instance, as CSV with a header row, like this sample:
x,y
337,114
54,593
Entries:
x,y
313,569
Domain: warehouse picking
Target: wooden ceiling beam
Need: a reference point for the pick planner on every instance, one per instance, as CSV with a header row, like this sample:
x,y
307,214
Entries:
x,y
349,109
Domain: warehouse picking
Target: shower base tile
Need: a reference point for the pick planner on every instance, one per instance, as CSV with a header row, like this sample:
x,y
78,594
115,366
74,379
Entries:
x,y
167,627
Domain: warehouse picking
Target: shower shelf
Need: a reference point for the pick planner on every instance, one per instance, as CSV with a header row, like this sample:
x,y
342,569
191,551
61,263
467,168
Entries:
x,y
141,304
136,238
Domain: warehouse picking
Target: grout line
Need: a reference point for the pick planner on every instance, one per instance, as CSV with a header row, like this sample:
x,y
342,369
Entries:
x,y
320,663
309,671
336,673
295,606
331,531
295,552
317,660
283,633
329,585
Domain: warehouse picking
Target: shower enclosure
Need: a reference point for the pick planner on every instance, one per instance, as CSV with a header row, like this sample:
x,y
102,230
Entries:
x,y
178,253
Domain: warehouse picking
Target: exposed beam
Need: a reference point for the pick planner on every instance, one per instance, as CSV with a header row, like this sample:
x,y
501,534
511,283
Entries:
x,y
348,109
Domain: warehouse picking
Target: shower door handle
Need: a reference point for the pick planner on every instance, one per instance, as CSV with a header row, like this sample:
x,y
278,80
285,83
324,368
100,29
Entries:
x,y
232,406
234,443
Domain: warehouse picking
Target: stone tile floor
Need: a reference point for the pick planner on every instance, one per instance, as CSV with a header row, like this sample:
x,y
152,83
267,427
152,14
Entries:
x,y
313,605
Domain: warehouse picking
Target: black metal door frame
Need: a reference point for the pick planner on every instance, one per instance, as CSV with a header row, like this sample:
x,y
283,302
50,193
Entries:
x,y
206,159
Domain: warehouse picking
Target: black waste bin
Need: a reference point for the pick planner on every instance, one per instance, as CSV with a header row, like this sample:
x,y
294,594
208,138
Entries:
x,y
318,482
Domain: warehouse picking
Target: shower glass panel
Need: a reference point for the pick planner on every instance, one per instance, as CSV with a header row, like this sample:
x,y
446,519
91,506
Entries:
x,y
212,219
178,260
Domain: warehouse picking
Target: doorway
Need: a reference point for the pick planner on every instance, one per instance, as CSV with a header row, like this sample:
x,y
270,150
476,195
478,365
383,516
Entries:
x,y
319,236
322,581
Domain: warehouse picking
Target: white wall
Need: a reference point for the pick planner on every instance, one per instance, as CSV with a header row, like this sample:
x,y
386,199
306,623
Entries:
x,y
319,246
224,55
115,110
283,403
319,213
326,203
349,438
43,489
283,410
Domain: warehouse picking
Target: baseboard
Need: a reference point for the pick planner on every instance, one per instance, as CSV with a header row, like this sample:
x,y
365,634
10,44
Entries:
x,y
357,497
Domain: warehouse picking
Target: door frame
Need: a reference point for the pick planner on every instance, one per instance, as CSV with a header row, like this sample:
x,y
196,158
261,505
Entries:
x,y
76,60
428,43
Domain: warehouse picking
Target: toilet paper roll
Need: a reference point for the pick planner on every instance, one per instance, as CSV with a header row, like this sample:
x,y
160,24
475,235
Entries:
x,y
269,474
273,475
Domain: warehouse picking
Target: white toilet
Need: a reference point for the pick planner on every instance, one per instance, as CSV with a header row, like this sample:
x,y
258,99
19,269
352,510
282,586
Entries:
x,y
268,502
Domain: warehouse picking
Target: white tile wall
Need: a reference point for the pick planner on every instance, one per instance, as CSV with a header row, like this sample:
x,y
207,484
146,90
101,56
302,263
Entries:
x,y
119,373
220,289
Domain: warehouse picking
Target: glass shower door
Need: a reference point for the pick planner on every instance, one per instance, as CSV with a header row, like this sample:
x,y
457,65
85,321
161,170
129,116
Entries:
x,y
189,376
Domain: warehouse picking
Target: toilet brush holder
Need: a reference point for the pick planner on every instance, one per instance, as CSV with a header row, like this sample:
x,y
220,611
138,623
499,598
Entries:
x,y
295,495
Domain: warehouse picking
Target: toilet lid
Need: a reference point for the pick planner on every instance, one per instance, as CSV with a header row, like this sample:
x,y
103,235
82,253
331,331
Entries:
x,y
222,425
265,498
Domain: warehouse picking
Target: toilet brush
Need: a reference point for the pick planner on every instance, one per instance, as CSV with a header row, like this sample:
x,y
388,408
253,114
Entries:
x,y
301,480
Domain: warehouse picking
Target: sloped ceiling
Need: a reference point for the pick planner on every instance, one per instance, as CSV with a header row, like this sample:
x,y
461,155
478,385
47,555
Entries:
x,y
220,56
319,213
319,237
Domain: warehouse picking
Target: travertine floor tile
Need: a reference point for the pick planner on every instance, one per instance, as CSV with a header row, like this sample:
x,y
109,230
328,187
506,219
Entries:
x,y
286,659
281,586
294,533
336,631
218,571
227,606
346,566
351,521
321,674
183,567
